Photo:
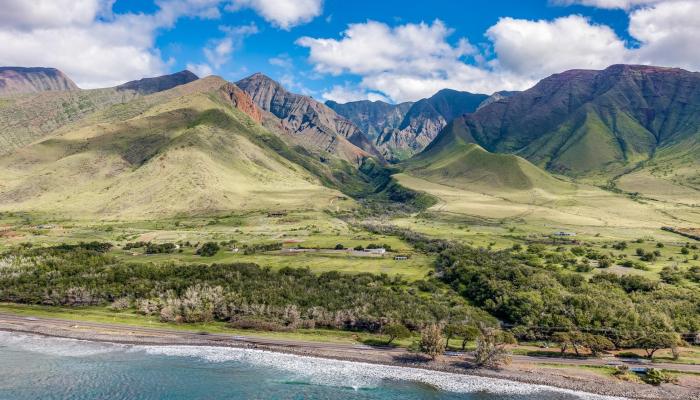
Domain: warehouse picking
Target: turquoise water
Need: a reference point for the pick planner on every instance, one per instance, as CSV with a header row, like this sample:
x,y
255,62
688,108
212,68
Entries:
x,y
33,367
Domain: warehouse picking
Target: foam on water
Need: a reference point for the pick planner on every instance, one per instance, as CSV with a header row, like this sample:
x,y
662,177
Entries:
x,y
314,370
56,346
323,371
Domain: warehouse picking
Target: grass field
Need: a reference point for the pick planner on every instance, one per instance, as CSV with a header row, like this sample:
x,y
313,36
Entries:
x,y
310,229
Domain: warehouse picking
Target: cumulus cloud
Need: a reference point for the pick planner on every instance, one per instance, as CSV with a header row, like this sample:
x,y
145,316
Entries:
x,y
668,34
612,4
347,93
411,61
405,62
284,14
83,38
534,49
201,69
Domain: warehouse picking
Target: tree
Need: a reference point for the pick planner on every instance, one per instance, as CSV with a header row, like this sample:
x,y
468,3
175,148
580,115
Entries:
x,y
395,331
208,249
491,347
653,341
339,246
431,341
466,332
597,343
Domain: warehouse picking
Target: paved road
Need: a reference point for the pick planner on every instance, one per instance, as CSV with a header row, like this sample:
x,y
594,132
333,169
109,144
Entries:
x,y
11,322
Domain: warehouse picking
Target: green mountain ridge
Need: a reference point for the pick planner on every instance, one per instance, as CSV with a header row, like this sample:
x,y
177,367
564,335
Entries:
x,y
589,124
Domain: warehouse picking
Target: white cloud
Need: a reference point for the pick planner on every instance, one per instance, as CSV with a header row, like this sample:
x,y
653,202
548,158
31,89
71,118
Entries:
x,y
282,61
346,93
534,49
282,13
411,61
201,70
49,14
668,34
406,62
613,4
86,41
219,51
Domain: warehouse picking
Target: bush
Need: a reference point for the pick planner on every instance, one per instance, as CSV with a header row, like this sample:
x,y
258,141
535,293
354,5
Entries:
x,y
491,351
339,247
656,377
208,249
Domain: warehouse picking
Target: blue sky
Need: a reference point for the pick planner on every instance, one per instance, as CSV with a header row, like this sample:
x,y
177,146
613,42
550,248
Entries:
x,y
348,50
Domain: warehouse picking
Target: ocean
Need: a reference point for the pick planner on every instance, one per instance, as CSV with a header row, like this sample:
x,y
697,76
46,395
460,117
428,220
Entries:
x,y
34,367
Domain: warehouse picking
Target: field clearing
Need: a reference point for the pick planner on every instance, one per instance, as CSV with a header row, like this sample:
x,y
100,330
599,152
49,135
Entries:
x,y
414,268
588,210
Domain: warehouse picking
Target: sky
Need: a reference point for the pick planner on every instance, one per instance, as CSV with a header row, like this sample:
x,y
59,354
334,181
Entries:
x,y
391,50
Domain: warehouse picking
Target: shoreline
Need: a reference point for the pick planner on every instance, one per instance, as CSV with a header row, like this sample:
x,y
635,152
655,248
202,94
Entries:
x,y
544,375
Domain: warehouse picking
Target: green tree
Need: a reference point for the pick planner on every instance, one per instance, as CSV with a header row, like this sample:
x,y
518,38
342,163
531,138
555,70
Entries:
x,y
208,249
653,341
395,331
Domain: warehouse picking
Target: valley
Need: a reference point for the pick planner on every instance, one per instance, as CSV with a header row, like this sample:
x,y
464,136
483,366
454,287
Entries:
x,y
243,208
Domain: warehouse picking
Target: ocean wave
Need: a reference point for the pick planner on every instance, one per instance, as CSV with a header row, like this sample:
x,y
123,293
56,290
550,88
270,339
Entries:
x,y
357,375
302,369
62,347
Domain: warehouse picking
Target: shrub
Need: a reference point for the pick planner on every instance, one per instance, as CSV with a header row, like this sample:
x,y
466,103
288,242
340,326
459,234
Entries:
x,y
656,377
431,341
491,351
208,249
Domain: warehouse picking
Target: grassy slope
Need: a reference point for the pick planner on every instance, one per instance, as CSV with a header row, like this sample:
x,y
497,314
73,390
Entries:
x,y
143,166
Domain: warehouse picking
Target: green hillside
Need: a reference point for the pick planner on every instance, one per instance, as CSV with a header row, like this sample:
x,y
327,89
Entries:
x,y
593,125
192,153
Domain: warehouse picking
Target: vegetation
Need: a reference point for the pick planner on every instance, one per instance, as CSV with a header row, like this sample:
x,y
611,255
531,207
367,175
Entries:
x,y
226,292
395,331
208,249
431,341
491,351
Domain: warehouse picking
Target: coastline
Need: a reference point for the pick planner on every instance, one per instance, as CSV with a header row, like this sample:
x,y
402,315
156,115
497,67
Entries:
x,y
541,375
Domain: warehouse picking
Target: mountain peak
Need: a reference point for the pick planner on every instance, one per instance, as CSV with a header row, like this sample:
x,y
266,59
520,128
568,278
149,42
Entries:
x,y
15,80
159,83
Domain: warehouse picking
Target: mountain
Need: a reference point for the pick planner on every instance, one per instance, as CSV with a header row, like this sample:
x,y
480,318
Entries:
x,y
498,96
468,166
25,118
16,80
196,148
372,117
401,130
160,83
308,123
590,124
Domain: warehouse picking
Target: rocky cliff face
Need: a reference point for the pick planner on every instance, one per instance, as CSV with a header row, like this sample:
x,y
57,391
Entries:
x,y
15,80
372,117
401,130
159,83
584,122
424,120
498,96
242,101
309,123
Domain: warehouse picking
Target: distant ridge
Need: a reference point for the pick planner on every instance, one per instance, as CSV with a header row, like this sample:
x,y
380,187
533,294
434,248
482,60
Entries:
x,y
159,83
591,124
308,123
401,130
17,80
